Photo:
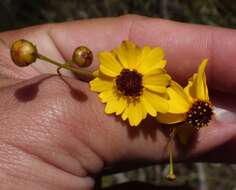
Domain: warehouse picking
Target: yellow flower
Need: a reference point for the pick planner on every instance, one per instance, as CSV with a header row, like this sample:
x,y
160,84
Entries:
x,y
190,105
132,82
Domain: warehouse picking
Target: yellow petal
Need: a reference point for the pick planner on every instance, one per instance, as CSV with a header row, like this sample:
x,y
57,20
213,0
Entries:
x,y
122,105
170,118
96,73
187,90
109,65
121,55
111,105
184,134
197,85
151,59
144,112
155,88
128,54
151,54
148,107
155,71
161,79
118,53
124,115
144,53
133,52
99,85
159,103
116,105
107,71
105,96
135,114
156,83
178,100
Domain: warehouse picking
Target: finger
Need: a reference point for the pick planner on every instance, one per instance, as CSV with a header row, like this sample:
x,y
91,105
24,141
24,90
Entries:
x,y
43,37
185,44
66,127
218,154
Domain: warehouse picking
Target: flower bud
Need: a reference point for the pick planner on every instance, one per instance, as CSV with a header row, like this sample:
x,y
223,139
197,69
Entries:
x,y
23,53
82,56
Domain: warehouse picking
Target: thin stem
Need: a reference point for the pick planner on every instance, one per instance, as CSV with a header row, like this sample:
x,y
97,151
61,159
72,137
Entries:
x,y
81,73
171,176
68,63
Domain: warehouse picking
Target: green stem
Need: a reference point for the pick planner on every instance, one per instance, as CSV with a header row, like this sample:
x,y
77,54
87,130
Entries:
x,y
81,73
171,176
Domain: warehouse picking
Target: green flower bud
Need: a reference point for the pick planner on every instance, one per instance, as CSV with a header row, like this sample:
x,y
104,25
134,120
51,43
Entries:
x,y
82,56
23,53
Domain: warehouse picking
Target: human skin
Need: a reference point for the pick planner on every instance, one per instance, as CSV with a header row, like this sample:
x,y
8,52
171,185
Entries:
x,y
54,133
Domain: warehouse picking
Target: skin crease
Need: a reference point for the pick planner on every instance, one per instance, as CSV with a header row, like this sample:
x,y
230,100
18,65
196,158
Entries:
x,y
47,137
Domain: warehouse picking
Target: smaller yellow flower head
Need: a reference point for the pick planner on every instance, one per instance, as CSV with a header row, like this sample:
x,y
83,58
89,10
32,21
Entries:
x,y
190,105
132,82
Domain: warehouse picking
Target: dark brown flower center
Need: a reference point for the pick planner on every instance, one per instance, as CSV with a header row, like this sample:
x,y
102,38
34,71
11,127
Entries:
x,y
129,83
200,114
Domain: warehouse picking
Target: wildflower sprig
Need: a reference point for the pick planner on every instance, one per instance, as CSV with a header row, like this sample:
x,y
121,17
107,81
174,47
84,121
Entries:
x,y
132,82
190,108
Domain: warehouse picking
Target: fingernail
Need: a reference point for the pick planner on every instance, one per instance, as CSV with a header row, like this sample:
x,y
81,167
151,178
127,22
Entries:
x,y
225,116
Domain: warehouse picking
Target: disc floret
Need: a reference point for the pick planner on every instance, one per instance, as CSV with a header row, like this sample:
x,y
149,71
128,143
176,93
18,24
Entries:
x,y
199,114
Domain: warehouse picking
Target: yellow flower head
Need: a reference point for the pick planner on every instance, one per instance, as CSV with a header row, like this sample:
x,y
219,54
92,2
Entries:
x,y
190,105
132,82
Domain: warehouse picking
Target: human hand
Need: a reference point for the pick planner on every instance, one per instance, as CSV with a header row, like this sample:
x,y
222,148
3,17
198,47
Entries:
x,y
54,133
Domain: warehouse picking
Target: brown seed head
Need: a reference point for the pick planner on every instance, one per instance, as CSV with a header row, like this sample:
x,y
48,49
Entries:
x,y
129,83
199,114
82,56
23,53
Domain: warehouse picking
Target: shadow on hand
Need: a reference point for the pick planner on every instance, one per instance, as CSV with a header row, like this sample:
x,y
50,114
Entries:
x,y
147,128
74,91
29,92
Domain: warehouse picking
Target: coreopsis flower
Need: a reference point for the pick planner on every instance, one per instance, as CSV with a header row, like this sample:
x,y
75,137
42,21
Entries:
x,y
189,109
189,106
132,82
